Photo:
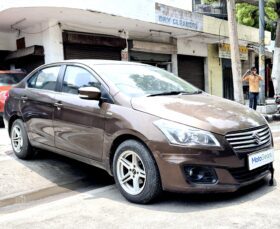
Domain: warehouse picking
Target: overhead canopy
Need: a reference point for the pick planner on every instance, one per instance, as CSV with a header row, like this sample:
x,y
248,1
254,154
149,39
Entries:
x,y
35,50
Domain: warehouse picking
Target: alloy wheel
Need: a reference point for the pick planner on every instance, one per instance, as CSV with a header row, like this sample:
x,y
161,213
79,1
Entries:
x,y
131,172
17,139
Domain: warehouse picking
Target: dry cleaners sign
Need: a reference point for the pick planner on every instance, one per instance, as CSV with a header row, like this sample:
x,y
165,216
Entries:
x,y
176,17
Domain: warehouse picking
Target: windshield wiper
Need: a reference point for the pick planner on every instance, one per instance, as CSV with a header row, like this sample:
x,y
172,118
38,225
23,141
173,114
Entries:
x,y
168,93
176,93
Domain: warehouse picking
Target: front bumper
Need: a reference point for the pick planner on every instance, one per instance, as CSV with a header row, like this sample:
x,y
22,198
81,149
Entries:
x,y
232,172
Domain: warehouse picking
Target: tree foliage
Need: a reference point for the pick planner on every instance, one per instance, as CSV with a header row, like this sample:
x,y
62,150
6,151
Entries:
x,y
248,14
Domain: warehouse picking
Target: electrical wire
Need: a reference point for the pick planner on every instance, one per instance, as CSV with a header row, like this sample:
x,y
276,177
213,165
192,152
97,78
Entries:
x,y
33,33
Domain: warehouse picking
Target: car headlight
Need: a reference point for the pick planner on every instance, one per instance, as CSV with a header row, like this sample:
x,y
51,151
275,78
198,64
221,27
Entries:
x,y
184,135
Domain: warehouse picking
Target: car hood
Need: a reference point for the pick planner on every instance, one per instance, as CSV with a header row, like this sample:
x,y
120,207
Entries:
x,y
202,111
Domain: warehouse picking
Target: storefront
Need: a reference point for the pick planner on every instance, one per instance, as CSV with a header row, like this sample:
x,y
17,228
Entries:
x,y
172,38
228,91
26,59
92,46
153,53
191,69
225,59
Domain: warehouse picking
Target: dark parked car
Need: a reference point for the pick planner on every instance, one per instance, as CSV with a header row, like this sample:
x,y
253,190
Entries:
x,y
148,128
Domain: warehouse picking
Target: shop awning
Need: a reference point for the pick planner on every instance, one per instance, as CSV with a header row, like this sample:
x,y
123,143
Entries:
x,y
35,50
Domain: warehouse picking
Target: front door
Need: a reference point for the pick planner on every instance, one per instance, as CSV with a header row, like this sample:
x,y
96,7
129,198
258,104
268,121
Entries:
x,y
78,123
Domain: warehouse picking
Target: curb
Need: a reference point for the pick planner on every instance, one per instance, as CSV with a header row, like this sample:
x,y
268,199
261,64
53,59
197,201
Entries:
x,y
272,117
43,192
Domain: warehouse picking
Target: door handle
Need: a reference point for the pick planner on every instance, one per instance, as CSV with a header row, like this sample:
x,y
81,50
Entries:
x,y
24,98
58,105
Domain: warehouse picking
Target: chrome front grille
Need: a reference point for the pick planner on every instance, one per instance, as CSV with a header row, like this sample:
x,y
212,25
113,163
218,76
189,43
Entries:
x,y
249,140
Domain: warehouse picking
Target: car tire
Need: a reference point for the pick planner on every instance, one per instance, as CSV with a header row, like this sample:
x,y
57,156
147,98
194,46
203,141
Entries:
x,y
1,122
20,142
136,173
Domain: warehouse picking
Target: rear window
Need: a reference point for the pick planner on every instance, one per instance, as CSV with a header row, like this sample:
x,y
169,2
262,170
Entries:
x,y
45,79
10,78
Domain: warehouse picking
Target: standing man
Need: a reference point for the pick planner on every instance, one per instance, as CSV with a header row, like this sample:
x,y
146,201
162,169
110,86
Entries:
x,y
254,81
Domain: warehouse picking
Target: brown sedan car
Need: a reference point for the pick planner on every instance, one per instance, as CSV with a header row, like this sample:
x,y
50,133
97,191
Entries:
x,y
148,128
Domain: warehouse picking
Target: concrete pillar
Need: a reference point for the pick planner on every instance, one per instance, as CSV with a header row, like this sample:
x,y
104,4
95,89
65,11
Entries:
x,y
174,60
215,71
8,41
52,41
261,52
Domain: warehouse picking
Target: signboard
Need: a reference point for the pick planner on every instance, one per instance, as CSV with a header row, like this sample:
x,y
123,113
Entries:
x,y
176,17
224,52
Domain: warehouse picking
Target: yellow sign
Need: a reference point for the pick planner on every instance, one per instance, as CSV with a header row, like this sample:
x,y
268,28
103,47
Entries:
x,y
224,52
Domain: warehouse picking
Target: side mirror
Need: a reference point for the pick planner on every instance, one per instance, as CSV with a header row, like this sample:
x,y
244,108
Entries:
x,y
92,93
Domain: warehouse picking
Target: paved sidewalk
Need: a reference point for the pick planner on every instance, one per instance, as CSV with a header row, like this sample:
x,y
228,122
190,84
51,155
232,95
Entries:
x,y
27,180
4,141
48,174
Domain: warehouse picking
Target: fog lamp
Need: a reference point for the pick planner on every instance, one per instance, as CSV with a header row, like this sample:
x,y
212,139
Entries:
x,y
199,174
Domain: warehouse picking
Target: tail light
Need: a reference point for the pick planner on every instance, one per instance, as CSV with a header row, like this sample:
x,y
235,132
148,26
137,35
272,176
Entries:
x,y
6,95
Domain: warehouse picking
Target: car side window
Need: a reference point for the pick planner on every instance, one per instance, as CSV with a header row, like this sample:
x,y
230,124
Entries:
x,y
76,77
45,79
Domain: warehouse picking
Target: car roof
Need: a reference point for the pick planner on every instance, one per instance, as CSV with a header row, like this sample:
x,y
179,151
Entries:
x,y
98,62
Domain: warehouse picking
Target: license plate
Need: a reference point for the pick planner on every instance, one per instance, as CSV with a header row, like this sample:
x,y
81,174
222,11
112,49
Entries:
x,y
261,158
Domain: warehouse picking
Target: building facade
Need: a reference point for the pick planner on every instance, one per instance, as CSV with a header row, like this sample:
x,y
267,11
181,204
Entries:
x,y
163,33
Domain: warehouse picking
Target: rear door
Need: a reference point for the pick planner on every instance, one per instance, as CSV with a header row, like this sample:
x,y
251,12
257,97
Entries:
x,y
78,123
37,104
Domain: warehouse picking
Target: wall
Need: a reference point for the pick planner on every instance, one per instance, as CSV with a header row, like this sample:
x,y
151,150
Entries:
x,y
215,74
136,9
32,35
52,42
174,59
191,48
143,10
50,39
245,33
183,4
7,41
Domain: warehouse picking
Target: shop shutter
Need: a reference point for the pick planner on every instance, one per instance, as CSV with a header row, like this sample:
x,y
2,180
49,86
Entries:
x,y
81,51
191,69
228,84
228,92
146,57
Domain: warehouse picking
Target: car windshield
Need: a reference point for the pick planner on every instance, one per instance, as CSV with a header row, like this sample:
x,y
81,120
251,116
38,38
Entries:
x,y
142,80
10,78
